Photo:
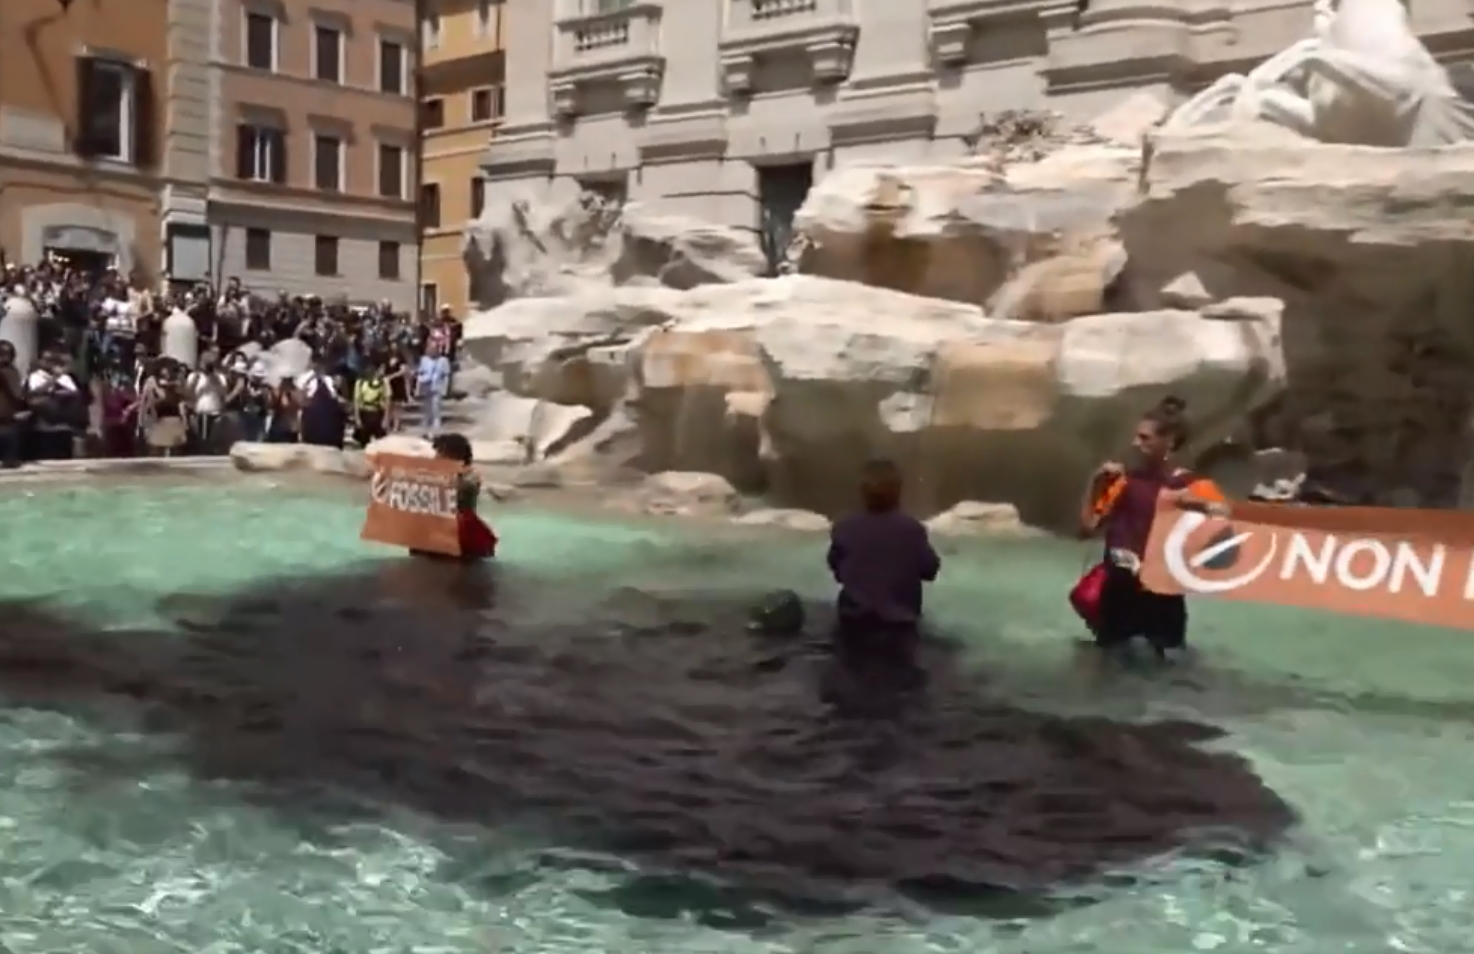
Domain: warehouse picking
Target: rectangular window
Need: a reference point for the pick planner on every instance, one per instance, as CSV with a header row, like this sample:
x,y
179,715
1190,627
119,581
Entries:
x,y
113,110
327,54
260,41
327,163
258,250
478,197
432,114
261,153
429,298
391,171
430,206
389,261
488,103
392,68
325,255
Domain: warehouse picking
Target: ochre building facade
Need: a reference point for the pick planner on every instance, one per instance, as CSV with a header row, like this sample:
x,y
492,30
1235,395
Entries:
x,y
83,106
461,105
270,140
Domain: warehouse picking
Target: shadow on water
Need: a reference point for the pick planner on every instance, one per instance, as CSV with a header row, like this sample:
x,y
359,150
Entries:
x,y
725,775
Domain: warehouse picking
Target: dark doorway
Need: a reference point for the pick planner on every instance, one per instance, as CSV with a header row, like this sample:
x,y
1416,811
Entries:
x,y
88,262
781,190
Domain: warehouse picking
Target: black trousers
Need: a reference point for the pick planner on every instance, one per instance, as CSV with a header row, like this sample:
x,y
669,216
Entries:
x,y
370,428
12,444
866,643
1128,610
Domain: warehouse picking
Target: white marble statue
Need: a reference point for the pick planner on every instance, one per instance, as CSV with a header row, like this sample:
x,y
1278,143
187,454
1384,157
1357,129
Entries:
x,y
1361,77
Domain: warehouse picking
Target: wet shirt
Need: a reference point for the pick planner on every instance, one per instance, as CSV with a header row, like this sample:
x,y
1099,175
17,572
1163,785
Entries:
x,y
880,561
1129,524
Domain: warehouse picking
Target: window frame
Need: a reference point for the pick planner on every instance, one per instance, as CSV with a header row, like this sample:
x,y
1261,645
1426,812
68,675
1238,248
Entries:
x,y
404,177
398,271
341,172
318,244
262,153
402,81
478,196
128,108
342,52
430,189
496,103
252,232
247,13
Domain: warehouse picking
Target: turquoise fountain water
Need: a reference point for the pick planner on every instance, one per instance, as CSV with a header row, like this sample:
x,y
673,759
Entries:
x,y
107,844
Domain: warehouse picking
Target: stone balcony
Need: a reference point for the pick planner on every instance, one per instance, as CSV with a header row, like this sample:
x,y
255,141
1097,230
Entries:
x,y
952,22
823,31
607,45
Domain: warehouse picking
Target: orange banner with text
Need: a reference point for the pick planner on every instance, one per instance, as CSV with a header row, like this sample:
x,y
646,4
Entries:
x,y
1410,565
412,504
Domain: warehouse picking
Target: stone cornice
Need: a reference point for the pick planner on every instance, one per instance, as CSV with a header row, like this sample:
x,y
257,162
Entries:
x,y
828,42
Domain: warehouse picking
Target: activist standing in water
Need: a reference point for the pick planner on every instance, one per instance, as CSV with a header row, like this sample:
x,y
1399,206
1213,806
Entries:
x,y
1122,500
881,557
478,541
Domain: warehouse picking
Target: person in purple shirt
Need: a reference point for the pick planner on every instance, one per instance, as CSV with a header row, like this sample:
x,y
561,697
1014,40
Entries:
x,y
880,557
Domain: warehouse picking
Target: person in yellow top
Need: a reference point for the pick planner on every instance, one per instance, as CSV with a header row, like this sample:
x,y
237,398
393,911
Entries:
x,y
373,407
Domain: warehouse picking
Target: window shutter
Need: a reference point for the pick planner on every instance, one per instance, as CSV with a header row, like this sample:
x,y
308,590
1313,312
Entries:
x,y
83,142
144,120
245,148
279,156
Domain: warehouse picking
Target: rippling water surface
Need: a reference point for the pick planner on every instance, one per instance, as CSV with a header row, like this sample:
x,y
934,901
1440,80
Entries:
x,y
229,726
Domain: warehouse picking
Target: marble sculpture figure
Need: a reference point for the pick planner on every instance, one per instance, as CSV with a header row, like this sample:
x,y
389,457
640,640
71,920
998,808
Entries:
x,y
1363,77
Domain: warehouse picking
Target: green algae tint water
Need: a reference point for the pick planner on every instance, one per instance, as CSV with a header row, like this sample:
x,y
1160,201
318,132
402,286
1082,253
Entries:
x,y
108,845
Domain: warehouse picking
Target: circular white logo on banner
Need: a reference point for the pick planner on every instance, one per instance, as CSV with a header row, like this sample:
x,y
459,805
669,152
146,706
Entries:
x,y
1222,552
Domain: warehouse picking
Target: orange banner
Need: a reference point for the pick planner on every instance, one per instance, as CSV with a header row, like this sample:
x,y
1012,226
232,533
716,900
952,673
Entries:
x,y
1410,565
412,504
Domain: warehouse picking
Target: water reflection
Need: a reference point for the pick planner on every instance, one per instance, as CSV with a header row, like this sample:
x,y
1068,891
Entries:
x,y
661,731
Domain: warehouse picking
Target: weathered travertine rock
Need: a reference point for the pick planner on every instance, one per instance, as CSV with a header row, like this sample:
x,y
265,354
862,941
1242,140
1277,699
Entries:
x,y
508,430
785,518
971,518
524,249
787,385
1028,240
686,493
1371,254
301,458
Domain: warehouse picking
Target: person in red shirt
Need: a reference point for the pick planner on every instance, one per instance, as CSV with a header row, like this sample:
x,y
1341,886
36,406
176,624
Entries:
x,y
1121,500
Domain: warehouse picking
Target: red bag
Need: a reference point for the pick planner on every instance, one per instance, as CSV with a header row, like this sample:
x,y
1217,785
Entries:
x,y
478,541
1085,595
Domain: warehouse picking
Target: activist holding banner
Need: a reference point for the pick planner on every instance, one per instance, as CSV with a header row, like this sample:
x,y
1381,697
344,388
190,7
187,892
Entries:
x,y
428,505
1122,500
1416,566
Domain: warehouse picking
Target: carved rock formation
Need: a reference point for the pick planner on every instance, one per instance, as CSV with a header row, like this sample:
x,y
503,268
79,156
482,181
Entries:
x,y
1370,252
524,249
787,385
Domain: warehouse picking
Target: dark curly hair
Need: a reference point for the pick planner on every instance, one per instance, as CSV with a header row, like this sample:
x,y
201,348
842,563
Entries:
x,y
1169,418
452,446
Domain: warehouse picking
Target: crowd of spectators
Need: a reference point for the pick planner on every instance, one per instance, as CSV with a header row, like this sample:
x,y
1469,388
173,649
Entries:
x,y
108,377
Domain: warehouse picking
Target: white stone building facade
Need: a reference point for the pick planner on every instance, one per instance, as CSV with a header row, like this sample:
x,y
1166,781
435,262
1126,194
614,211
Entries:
x,y
727,109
